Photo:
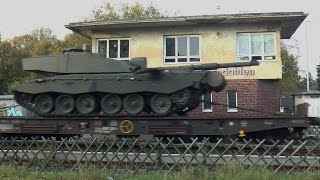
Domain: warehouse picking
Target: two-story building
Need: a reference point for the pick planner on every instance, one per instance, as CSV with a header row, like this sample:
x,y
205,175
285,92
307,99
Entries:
x,y
171,41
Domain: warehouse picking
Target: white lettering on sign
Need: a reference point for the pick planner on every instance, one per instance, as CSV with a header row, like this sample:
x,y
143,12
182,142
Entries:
x,y
236,71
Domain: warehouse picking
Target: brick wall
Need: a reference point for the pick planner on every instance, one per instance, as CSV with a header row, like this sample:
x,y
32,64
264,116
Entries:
x,y
255,98
269,96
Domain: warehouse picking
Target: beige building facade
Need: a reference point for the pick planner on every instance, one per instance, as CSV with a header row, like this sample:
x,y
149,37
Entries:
x,y
216,44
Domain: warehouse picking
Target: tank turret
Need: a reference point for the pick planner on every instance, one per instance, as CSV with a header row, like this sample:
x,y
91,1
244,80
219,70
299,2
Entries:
x,y
85,83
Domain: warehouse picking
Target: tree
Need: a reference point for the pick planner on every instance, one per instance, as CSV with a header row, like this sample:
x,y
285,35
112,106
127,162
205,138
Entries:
x,y
43,33
74,40
291,79
318,77
41,41
45,42
312,83
47,47
108,12
10,66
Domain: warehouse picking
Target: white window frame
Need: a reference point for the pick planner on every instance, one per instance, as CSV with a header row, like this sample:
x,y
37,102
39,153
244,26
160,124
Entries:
x,y
232,109
207,110
176,50
107,50
263,55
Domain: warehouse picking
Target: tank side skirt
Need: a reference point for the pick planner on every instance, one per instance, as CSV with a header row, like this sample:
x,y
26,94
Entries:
x,y
114,84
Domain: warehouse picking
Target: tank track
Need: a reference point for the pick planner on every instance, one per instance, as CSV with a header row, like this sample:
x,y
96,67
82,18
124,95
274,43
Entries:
x,y
24,100
154,104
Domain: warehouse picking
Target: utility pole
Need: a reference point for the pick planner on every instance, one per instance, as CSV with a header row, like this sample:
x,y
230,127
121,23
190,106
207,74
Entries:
x,y
308,85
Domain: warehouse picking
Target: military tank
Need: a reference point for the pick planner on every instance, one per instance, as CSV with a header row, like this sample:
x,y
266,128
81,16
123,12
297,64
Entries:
x,y
82,83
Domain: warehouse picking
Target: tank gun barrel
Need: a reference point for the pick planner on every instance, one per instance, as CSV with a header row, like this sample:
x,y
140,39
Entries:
x,y
213,66
209,66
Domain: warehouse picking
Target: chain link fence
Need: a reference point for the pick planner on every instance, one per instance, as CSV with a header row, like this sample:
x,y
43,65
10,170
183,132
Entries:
x,y
170,154
313,132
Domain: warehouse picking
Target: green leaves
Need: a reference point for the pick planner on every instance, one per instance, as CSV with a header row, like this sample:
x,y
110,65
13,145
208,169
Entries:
x,y
108,12
74,40
290,81
10,65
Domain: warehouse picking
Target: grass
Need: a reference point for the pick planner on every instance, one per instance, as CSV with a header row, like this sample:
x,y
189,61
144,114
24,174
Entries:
x,y
232,172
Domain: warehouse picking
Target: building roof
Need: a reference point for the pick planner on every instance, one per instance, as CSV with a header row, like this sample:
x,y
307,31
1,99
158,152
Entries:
x,y
307,93
288,21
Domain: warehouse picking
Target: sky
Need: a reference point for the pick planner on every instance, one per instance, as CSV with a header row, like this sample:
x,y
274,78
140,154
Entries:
x,y
19,17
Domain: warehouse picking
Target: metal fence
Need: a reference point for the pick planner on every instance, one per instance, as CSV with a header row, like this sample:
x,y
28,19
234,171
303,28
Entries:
x,y
136,154
313,132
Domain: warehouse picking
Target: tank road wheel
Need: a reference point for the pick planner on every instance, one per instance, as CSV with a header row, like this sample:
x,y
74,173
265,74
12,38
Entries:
x,y
181,98
86,104
111,104
64,104
160,103
23,98
133,104
43,104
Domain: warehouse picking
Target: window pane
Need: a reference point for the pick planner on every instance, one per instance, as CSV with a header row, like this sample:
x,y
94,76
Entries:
x,y
243,44
170,46
182,46
269,43
232,101
124,48
169,60
102,47
113,49
256,44
269,57
207,101
182,59
194,59
256,58
194,46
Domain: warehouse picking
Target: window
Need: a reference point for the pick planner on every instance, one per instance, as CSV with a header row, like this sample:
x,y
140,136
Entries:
x,y
114,48
232,101
182,49
256,46
207,102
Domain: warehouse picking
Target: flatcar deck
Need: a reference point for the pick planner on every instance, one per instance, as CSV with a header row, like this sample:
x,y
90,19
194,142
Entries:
x,y
157,126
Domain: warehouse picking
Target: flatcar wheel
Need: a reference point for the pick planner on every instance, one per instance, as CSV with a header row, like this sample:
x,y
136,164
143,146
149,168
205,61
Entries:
x,y
43,104
133,104
111,104
86,104
64,104
160,103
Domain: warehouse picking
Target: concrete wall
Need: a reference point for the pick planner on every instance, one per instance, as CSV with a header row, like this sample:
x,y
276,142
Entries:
x,y
217,44
313,101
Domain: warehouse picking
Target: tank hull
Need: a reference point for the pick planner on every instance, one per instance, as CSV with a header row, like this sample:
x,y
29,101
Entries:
x,y
163,92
